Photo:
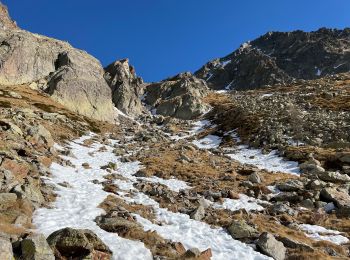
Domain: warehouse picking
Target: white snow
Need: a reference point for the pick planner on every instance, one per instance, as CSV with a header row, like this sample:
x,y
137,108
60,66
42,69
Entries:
x,y
228,87
318,72
208,142
209,76
225,63
172,184
244,202
266,95
271,162
179,227
77,206
198,126
321,233
337,66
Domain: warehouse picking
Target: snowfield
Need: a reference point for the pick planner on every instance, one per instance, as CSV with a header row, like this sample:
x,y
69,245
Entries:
x,y
76,206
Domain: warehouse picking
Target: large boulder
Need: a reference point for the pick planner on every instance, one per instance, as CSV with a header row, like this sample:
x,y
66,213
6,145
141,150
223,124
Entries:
x,y
72,77
78,244
6,252
126,87
180,96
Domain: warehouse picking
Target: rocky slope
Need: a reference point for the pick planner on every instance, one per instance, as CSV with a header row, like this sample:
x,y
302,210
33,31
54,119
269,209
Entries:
x,y
190,173
280,58
70,76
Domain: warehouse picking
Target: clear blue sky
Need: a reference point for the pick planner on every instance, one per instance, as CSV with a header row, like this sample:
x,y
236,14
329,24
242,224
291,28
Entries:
x,y
164,37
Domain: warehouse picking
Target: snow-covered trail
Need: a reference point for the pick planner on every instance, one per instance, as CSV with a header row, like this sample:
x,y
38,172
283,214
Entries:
x,y
76,206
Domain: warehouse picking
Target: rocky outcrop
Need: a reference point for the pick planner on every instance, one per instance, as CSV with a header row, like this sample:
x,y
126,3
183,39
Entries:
x,y
280,58
126,87
180,96
72,77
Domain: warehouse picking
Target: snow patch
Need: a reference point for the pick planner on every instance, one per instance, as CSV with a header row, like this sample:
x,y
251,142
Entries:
x,y
320,233
76,206
244,202
208,142
271,162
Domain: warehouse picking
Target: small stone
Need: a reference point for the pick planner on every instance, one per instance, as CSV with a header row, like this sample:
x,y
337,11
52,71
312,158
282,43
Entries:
x,y
254,178
307,204
198,214
239,229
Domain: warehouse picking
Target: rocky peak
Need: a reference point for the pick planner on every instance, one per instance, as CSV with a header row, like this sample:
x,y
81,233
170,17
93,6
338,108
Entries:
x,y
281,58
126,87
5,20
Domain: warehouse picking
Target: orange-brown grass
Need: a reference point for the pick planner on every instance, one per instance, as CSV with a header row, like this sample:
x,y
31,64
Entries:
x,y
41,102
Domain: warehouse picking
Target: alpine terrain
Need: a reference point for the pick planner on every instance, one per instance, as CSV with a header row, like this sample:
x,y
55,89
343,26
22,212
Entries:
x,y
247,158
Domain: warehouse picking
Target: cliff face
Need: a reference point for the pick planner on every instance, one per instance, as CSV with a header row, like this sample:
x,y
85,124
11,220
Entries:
x,y
126,87
71,76
281,58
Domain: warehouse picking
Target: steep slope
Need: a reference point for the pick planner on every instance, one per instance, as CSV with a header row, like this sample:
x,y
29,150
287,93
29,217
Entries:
x,y
72,77
280,58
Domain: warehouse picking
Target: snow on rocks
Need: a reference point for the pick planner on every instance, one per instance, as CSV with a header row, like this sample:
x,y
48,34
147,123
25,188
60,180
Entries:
x,y
198,126
321,233
172,184
208,142
191,233
271,162
76,206
244,202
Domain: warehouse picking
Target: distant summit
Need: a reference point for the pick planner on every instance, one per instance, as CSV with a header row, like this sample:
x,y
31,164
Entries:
x,y
280,58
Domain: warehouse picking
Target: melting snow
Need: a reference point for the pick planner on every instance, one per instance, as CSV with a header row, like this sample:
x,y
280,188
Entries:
x,y
271,162
318,72
77,206
225,63
321,233
208,142
244,202
267,95
172,184
198,126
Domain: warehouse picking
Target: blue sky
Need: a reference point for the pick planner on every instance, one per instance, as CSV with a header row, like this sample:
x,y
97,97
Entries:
x,y
164,37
